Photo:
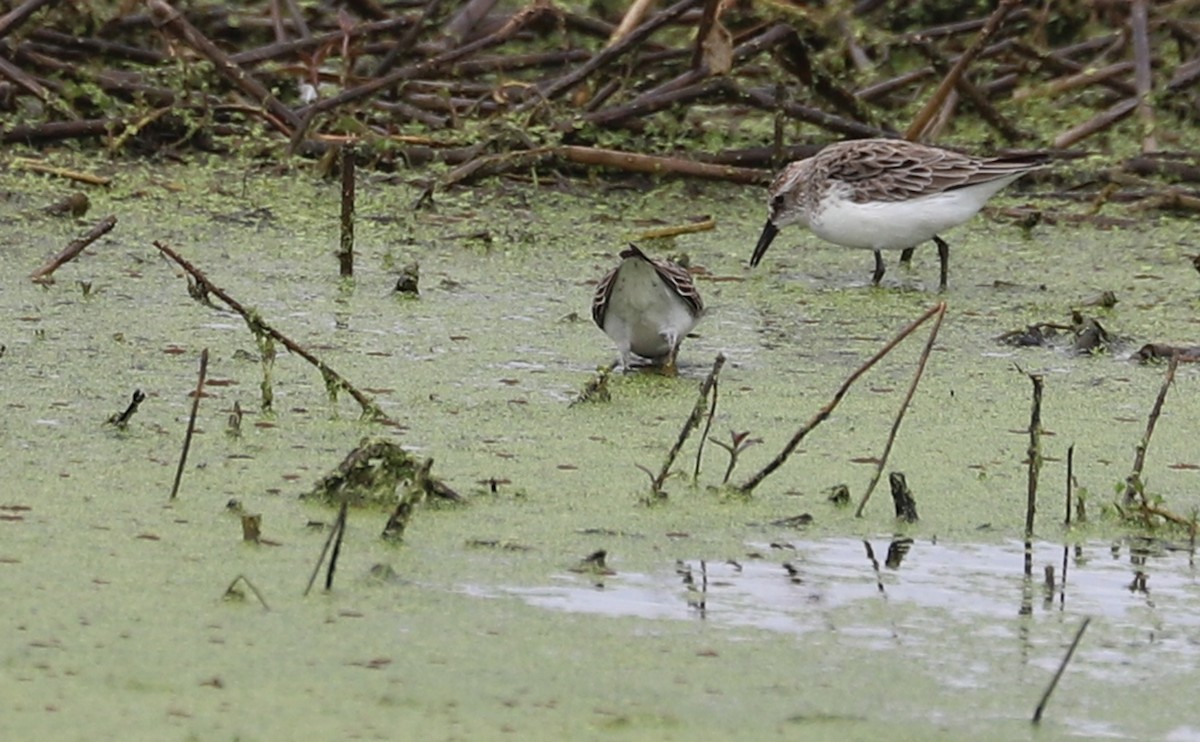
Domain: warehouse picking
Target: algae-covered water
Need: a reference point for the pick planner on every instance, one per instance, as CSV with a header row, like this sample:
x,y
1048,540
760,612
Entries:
x,y
482,624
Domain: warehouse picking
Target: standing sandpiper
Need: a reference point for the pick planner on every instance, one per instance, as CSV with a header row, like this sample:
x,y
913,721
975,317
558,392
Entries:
x,y
886,194
647,307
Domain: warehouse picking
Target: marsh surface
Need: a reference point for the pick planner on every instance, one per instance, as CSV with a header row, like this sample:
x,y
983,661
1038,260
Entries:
x,y
476,626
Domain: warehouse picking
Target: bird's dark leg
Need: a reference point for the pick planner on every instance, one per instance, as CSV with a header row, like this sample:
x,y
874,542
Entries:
x,y
906,255
943,259
878,274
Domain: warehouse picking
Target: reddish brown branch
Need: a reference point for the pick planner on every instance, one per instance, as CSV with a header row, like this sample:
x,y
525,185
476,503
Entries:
x,y
823,414
333,380
71,251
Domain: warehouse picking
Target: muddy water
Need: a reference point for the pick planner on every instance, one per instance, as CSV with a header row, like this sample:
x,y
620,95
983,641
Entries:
x,y
477,626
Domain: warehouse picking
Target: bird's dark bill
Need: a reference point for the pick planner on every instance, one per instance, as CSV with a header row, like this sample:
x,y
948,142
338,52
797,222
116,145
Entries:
x,y
764,241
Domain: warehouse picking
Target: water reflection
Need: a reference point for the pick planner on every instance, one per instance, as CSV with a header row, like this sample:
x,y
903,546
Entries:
x,y
924,587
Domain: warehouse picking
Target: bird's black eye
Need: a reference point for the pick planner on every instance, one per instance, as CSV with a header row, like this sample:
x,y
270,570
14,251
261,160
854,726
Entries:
x,y
777,203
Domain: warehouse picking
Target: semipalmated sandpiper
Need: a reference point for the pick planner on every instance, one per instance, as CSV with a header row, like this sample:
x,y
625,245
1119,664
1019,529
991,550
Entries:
x,y
886,194
647,307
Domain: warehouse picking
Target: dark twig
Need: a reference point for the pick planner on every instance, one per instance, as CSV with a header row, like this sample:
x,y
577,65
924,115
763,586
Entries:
x,y
1034,453
346,254
689,425
334,533
18,15
340,528
1070,482
1134,487
71,251
1037,714
912,388
191,426
333,380
822,414
708,421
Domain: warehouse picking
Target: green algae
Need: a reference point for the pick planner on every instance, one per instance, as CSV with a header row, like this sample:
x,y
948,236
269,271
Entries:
x,y
116,623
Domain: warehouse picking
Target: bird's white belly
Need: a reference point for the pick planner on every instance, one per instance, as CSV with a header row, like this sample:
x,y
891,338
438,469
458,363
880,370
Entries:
x,y
894,225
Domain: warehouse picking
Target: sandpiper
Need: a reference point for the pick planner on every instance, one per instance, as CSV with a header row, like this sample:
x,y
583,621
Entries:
x,y
647,307
886,194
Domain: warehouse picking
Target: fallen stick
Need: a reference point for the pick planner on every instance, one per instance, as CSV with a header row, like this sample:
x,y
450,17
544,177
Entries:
x,y
18,15
912,388
973,95
1099,122
55,130
517,22
191,426
165,16
553,88
1143,78
706,225
822,414
71,251
25,163
638,163
333,380
1133,483
923,118
761,98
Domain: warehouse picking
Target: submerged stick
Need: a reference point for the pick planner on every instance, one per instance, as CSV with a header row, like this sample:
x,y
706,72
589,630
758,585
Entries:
x,y
191,426
1037,714
243,578
1034,453
822,414
689,425
333,380
1133,483
912,388
71,251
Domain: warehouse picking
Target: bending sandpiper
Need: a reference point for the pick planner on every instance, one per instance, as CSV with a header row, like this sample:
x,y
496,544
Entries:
x,y
647,307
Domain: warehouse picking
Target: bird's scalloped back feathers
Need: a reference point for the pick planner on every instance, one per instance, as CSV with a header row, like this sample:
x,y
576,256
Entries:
x,y
898,170
600,298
